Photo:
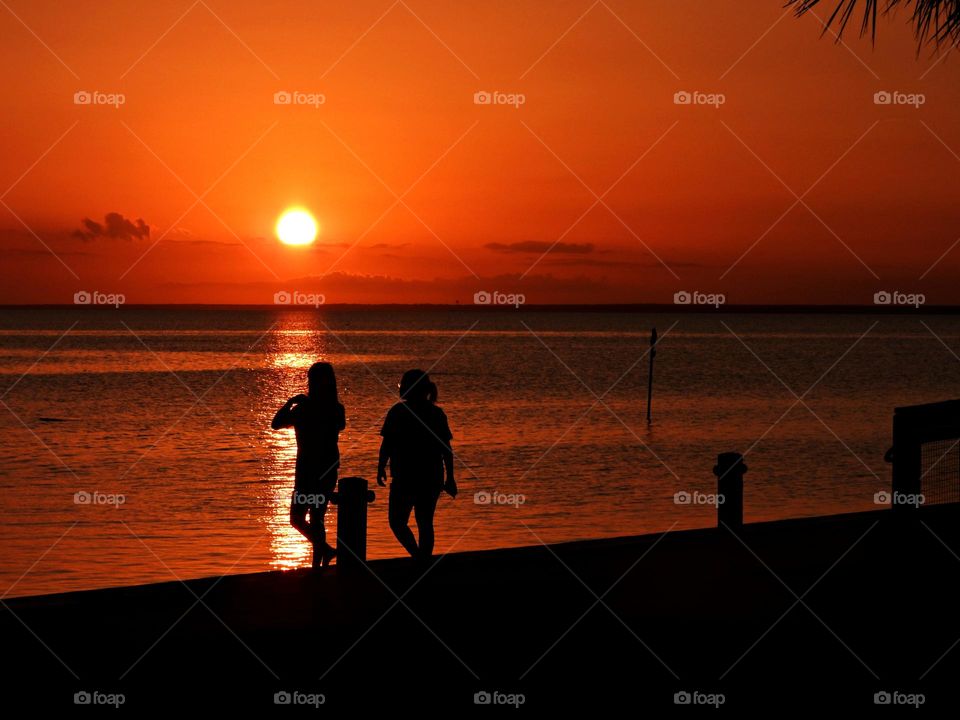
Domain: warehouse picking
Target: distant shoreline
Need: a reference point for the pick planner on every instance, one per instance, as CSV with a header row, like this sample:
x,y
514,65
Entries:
x,y
581,308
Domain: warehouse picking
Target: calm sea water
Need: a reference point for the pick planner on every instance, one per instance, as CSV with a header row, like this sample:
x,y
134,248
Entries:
x,y
170,409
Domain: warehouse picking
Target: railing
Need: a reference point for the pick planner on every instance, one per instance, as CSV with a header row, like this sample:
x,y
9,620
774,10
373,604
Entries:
x,y
925,458
925,455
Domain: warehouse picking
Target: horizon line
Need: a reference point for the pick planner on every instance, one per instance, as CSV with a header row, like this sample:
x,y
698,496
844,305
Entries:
x,y
538,307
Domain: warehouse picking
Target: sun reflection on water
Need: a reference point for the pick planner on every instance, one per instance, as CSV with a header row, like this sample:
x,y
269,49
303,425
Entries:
x,y
291,360
289,549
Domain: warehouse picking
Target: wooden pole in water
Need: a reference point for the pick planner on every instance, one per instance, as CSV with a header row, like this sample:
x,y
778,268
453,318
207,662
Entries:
x,y
653,352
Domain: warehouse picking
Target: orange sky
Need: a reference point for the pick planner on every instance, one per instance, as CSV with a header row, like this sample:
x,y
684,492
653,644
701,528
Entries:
x,y
699,197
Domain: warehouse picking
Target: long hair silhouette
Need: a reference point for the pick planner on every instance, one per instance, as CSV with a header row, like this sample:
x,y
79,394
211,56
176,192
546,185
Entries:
x,y
322,383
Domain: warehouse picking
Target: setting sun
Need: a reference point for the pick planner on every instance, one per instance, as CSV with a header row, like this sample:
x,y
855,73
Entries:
x,y
296,227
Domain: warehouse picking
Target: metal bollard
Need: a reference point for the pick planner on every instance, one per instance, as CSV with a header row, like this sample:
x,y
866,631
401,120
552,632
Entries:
x,y
729,471
351,499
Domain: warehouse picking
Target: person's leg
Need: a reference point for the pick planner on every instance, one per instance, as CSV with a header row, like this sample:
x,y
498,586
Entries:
x,y
318,530
318,533
298,515
424,510
328,483
399,507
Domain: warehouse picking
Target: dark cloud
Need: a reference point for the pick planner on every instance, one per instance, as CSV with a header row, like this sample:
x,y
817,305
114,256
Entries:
x,y
114,227
539,246
642,264
214,243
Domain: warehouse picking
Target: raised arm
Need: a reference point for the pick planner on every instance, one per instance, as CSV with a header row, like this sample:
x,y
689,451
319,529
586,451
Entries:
x,y
284,417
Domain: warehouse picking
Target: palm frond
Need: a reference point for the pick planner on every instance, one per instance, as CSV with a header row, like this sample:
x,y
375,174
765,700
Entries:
x,y
935,21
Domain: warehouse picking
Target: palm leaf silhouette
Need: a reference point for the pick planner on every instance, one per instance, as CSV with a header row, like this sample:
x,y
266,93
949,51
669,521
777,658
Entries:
x,y
934,21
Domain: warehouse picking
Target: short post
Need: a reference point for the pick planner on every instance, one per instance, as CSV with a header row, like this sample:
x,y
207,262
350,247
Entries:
x,y
729,471
351,499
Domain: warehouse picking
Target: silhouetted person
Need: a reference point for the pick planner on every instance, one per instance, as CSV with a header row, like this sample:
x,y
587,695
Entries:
x,y
317,417
416,442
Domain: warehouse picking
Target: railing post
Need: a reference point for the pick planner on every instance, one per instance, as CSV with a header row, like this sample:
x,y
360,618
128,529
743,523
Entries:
x,y
729,471
351,499
906,457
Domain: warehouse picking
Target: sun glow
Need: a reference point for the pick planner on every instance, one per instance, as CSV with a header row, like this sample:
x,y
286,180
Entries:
x,y
296,227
